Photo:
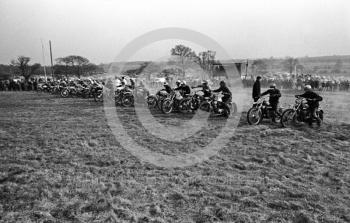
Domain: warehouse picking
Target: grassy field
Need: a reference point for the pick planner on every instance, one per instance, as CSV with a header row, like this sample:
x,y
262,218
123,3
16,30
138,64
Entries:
x,y
59,162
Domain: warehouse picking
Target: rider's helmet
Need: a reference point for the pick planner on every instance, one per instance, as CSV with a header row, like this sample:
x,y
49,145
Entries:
x,y
178,82
307,87
273,86
165,84
258,77
183,83
205,82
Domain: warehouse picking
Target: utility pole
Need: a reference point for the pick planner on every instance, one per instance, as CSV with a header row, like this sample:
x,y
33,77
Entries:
x,y
51,59
246,69
42,49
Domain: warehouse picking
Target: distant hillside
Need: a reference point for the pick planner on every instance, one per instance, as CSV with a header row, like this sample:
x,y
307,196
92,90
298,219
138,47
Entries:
x,y
337,65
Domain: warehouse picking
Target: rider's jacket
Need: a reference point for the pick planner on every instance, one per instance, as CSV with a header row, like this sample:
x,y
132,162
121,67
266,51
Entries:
x,y
168,89
206,90
224,90
315,98
185,89
274,93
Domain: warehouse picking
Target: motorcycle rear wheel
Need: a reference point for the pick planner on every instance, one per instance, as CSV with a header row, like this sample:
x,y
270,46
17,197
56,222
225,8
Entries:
x,y
205,106
185,105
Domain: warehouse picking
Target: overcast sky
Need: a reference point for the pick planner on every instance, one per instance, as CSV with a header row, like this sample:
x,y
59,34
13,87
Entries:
x,y
99,29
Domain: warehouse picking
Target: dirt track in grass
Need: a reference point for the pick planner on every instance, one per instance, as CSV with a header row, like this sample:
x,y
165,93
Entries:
x,y
59,162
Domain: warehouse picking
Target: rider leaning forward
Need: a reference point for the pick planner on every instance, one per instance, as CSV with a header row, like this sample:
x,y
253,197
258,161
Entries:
x,y
313,100
225,91
275,95
205,88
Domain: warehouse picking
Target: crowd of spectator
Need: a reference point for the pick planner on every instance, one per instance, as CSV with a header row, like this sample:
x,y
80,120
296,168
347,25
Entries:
x,y
20,84
300,80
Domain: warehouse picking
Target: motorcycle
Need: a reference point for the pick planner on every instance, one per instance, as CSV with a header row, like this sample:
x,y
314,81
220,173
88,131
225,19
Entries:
x,y
300,113
97,93
216,106
155,101
196,99
260,110
137,95
175,102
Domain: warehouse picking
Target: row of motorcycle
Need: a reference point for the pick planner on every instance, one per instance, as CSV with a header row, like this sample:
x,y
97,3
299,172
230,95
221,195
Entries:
x,y
127,96
295,115
83,89
175,101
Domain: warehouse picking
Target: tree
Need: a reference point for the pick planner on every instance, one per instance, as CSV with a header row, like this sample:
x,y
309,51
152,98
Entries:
x,y
289,64
73,64
184,53
22,65
80,62
207,59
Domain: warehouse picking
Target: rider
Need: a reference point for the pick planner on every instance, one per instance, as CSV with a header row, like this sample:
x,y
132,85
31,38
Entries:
x,y
205,88
313,100
225,91
167,88
275,94
186,90
178,85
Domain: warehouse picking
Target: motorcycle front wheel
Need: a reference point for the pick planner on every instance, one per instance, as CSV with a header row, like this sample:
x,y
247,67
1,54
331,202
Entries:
x,y
254,116
64,93
167,106
128,100
98,96
288,118
152,102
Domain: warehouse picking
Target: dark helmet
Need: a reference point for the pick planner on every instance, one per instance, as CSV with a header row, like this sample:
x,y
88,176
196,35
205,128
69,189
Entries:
x,y
258,77
222,83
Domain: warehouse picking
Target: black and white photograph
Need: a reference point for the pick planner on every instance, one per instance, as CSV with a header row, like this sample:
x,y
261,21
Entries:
x,y
175,111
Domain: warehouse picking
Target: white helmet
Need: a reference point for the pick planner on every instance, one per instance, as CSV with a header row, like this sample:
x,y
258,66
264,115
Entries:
x,y
184,82
307,87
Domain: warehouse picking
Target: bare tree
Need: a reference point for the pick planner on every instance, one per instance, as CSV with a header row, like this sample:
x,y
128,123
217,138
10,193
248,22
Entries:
x,y
184,53
22,65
